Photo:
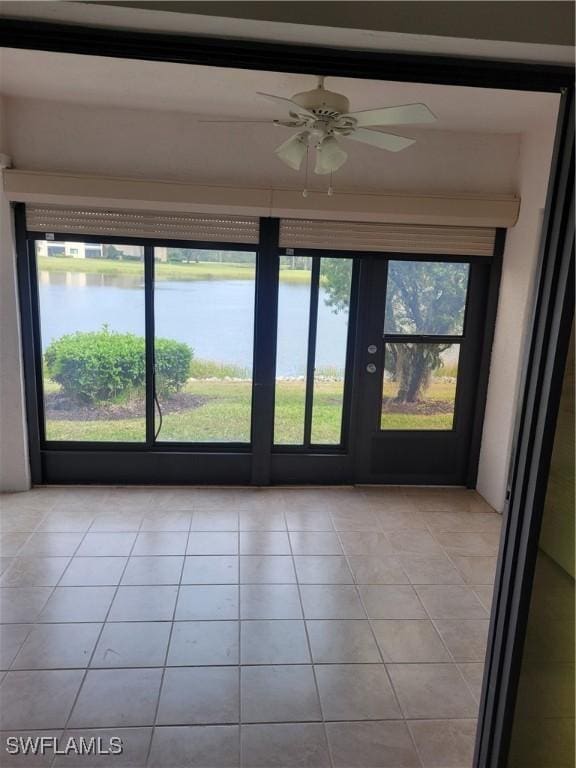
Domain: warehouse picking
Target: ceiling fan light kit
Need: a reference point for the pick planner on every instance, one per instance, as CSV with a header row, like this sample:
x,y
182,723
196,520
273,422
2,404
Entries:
x,y
324,120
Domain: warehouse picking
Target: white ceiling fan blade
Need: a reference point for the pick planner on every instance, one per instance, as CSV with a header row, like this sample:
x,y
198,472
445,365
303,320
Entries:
x,y
388,141
329,156
409,114
233,121
288,103
293,151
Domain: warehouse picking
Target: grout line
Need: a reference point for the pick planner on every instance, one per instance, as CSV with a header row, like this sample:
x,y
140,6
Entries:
x,y
312,664
155,718
85,675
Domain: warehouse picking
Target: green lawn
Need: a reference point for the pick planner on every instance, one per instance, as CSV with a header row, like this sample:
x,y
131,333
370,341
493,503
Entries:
x,y
204,270
225,415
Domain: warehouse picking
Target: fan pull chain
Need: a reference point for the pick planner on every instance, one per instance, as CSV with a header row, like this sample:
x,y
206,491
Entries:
x,y
330,187
305,190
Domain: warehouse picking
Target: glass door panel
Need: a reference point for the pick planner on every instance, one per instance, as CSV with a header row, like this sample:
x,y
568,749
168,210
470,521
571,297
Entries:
x,y
312,348
419,386
91,309
204,344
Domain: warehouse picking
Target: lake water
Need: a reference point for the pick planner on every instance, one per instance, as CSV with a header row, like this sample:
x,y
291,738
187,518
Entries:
x,y
215,317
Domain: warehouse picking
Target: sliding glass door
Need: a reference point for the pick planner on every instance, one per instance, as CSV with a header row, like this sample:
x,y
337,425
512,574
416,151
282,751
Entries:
x,y
203,344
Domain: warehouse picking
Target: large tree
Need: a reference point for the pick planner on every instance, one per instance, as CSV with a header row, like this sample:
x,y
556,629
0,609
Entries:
x,y
421,298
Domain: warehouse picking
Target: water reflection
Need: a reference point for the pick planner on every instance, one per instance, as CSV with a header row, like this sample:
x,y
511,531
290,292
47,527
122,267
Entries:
x,y
90,280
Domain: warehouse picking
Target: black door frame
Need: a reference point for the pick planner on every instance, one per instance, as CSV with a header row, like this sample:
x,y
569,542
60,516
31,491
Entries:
x,y
555,298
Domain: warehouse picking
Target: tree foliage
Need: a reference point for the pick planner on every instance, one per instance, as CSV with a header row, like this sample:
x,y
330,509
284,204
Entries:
x,y
421,298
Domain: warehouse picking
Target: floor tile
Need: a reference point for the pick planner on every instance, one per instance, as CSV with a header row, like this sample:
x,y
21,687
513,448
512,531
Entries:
x,y
377,570
342,642
52,544
470,522
416,541
93,572
34,761
401,520
371,745
160,543
432,691
451,602
143,571
430,569
485,594
210,569
205,603
78,604
213,543
38,699
117,697
58,646
273,642
195,746
269,520
409,641
284,745
24,520
356,692
135,743
322,569
269,601
315,543
264,543
12,543
116,522
5,563
144,603
444,743
392,602
476,569
278,694
132,644
362,543
308,520
34,572
211,520
266,569
469,543
355,521
199,695
67,521
109,544
22,604
166,521
201,643
466,639
11,638
473,673
331,601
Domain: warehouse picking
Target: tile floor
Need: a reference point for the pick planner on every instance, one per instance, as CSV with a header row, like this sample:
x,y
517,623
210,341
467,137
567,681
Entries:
x,y
211,628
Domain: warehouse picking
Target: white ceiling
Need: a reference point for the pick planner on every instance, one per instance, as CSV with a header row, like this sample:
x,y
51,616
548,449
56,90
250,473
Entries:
x,y
210,91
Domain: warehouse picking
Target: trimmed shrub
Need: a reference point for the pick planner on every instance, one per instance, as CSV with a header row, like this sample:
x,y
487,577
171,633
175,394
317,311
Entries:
x,y
104,365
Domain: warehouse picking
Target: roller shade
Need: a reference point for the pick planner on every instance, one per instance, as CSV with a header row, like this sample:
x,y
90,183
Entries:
x,y
399,238
119,223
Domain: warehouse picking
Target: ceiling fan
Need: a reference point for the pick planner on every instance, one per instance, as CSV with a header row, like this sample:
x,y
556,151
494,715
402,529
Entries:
x,y
324,119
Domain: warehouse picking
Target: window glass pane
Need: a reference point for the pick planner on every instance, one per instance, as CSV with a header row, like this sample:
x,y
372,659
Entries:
x,y
292,350
426,298
419,387
204,325
331,344
92,330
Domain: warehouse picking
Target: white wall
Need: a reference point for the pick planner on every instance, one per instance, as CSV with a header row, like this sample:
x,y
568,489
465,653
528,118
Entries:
x,y
515,311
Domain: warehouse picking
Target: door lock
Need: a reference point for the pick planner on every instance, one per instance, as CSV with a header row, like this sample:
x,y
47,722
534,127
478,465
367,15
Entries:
x,y
372,349
371,368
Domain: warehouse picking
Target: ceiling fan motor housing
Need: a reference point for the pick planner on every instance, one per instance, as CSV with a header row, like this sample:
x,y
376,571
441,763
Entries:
x,y
322,102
